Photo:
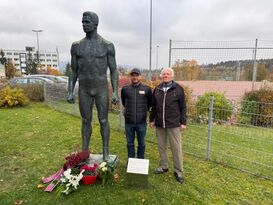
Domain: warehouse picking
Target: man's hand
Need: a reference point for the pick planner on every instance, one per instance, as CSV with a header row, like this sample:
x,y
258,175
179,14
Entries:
x,y
114,98
70,98
152,125
183,127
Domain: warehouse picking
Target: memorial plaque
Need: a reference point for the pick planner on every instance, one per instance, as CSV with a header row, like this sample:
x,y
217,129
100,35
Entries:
x,y
137,172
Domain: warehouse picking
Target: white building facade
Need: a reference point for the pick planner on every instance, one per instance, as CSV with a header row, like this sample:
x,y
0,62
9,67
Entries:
x,y
20,57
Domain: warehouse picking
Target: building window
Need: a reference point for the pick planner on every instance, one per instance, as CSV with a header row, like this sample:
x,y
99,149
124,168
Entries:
x,y
55,66
48,60
54,55
16,54
42,54
9,53
48,55
54,60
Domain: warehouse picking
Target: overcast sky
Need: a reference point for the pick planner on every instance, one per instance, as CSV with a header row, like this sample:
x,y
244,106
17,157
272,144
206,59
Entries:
x,y
126,24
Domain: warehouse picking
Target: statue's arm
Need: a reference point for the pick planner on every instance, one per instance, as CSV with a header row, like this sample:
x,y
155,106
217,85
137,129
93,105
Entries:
x,y
113,71
74,73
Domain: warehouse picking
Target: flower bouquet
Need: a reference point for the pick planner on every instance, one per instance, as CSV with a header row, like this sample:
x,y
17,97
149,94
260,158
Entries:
x,y
90,174
72,160
106,172
69,181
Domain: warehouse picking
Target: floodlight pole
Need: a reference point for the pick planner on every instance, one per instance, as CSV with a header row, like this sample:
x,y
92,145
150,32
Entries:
x,y
157,57
37,33
150,59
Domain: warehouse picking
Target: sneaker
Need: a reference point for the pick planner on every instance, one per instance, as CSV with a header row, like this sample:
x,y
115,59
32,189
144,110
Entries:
x,y
179,178
160,170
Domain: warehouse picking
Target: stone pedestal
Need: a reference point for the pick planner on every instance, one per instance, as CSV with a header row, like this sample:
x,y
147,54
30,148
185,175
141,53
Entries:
x,y
137,172
98,158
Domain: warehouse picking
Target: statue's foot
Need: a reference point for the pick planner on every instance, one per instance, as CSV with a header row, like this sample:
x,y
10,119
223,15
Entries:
x,y
106,156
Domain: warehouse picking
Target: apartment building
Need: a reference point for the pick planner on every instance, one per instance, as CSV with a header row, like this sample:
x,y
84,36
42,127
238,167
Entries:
x,y
20,57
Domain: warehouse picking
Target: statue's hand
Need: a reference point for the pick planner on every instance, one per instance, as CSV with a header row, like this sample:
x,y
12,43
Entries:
x,y
114,98
70,98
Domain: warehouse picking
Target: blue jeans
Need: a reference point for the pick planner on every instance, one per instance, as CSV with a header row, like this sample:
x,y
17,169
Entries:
x,y
140,131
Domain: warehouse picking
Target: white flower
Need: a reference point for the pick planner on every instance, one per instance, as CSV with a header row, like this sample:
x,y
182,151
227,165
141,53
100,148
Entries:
x,y
66,191
103,164
74,181
67,174
80,175
104,169
63,180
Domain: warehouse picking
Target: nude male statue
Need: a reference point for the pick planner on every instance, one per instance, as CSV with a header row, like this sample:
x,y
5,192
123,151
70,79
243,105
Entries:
x,y
90,59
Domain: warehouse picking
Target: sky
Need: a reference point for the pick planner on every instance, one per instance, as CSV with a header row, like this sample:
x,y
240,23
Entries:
x,y
126,23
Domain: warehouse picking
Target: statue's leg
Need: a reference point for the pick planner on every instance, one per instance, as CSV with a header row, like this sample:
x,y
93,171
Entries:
x,y
102,104
86,103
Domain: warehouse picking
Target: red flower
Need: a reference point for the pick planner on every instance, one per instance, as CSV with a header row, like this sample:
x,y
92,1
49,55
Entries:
x,y
91,169
76,158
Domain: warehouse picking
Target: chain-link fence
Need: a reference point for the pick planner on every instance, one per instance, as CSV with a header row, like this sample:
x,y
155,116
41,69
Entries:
x,y
246,60
231,133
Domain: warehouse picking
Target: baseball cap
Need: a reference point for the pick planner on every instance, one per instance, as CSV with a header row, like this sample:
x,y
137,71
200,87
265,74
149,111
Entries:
x,y
135,70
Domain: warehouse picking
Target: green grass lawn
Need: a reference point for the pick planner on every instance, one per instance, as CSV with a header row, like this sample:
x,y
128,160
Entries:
x,y
35,139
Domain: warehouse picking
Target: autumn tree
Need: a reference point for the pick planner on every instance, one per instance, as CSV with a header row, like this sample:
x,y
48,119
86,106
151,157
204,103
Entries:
x,y
261,72
53,71
10,69
186,70
177,68
122,71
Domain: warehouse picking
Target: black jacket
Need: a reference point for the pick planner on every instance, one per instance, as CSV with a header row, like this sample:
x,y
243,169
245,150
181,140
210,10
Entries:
x,y
168,107
137,101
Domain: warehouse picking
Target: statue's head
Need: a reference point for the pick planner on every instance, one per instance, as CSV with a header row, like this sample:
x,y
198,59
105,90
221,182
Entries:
x,y
90,21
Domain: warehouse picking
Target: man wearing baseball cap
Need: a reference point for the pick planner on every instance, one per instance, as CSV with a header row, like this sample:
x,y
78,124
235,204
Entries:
x,y
136,99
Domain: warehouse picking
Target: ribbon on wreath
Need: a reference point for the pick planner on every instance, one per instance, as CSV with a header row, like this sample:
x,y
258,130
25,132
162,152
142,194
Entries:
x,y
71,161
54,179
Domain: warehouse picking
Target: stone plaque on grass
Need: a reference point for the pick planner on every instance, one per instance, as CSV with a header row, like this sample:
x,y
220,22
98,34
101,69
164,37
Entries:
x,y
137,172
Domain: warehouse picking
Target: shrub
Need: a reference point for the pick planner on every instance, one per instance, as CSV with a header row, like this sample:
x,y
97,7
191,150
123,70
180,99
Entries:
x,y
3,83
257,108
188,93
11,97
35,92
222,108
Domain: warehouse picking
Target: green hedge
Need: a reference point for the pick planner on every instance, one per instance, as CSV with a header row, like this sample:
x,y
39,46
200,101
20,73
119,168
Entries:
x,y
257,108
222,108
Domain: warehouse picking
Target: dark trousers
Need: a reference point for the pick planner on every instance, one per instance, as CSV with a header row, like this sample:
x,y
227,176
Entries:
x,y
140,131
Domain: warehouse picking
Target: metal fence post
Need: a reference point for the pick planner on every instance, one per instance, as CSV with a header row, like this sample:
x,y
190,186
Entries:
x,y
210,121
74,108
254,74
170,53
120,112
45,96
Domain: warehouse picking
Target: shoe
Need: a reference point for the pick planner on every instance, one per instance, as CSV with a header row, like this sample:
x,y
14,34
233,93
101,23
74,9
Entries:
x,y
160,170
179,178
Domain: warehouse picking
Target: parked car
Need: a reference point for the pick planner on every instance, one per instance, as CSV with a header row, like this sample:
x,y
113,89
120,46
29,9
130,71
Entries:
x,y
64,77
56,79
29,80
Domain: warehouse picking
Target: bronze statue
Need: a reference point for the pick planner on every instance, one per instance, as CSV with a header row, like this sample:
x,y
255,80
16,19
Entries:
x,y
90,59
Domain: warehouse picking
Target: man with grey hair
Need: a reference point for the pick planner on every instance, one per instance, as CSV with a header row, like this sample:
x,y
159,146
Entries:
x,y
168,115
90,59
